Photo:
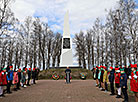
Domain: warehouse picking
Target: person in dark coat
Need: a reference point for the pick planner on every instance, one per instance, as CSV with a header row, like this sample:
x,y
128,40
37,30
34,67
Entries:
x,y
129,71
66,71
97,71
33,76
3,81
19,79
123,84
29,76
37,72
111,80
101,78
9,79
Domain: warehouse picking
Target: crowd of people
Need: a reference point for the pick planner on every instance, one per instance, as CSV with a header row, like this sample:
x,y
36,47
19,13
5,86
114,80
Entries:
x,y
16,78
117,77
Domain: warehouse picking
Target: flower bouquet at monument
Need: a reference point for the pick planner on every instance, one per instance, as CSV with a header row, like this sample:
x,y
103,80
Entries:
x,y
55,76
83,76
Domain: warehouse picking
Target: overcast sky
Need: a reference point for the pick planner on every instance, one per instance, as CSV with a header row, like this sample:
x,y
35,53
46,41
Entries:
x,y
82,13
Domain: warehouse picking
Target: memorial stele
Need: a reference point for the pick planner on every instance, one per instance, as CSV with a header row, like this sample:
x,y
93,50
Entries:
x,y
66,52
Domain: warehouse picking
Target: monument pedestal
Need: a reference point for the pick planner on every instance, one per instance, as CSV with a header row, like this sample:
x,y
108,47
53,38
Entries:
x,y
71,67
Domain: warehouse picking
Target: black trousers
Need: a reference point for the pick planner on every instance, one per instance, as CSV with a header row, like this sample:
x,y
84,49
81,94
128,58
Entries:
x,y
28,82
112,87
34,80
8,86
124,90
18,84
99,83
106,86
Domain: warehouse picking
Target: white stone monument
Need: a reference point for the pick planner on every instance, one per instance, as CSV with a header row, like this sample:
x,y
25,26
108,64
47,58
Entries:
x,y
66,53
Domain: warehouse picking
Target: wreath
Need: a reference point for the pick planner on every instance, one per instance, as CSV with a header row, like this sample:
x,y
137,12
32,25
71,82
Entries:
x,y
55,76
83,76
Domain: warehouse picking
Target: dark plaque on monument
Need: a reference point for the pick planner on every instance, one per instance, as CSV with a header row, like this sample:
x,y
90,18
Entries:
x,y
66,43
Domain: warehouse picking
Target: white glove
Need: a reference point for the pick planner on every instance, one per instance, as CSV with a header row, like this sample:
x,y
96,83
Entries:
x,y
2,73
135,76
130,77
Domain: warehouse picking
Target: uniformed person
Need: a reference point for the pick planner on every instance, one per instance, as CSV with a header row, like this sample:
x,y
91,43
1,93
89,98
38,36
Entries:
x,y
67,71
123,84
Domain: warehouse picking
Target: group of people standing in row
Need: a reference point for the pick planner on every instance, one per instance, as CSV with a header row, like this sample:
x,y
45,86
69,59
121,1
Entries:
x,y
16,78
118,76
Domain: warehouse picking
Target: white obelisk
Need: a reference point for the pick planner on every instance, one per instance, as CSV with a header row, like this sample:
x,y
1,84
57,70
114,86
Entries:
x,y
66,53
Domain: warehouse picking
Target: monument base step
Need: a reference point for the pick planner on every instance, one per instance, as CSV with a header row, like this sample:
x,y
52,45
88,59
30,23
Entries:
x,y
73,67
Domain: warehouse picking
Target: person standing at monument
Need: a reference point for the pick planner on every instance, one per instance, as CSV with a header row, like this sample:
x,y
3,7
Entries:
x,y
29,76
97,71
19,79
15,80
33,76
134,81
117,82
111,80
105,79
1,86
37,70
3,81
123,84
67,71
9,79
101,78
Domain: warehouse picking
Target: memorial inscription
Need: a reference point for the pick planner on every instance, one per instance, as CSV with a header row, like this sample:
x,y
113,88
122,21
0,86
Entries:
x,y
66,43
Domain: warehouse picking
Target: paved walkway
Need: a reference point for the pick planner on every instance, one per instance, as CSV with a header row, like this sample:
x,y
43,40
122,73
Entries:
x,y
58,91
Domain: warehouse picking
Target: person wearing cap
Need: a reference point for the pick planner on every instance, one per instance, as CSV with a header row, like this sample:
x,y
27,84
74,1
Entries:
x,y
19,78
101,78
1,87
1,84
134,80
111,80
117,82
26,77
37,72
94,73
9,79
123,84
15,80
136,93
29,76
22,77
97,71
33,76
3,81
105,79
68,71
